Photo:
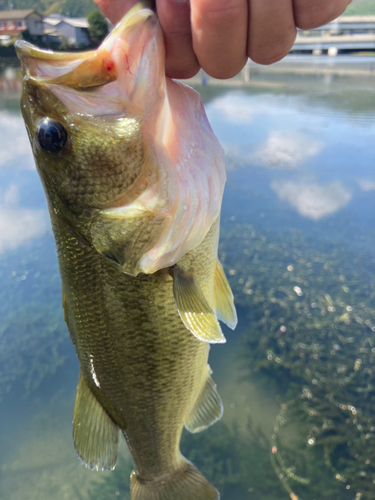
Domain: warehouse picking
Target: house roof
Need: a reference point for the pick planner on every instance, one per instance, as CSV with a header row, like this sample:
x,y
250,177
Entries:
x,y
52,21
10,15
77,22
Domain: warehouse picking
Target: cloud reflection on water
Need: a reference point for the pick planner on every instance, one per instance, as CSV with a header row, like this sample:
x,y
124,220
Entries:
x,y
281,151
18,225
286,150
366,185
312,200
15,145
236,107
266,130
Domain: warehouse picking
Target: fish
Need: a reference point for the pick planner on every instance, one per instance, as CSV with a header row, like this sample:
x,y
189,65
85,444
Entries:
x,y
134,179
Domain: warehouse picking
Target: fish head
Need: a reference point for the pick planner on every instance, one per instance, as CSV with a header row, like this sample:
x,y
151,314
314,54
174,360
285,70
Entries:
x,y
84,113
124,153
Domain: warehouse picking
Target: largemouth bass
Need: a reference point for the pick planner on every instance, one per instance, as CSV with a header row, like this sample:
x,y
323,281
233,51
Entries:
x,y
134,178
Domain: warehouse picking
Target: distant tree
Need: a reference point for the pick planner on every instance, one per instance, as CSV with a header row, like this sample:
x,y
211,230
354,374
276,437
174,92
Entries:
x,y
98,27
80,8
64,44
26,36
76,9
361,8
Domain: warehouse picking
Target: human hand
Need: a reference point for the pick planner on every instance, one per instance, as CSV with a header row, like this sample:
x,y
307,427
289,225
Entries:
x,y
219,35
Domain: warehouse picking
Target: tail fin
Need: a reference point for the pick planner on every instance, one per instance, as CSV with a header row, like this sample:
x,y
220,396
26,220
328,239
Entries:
x,y
187,483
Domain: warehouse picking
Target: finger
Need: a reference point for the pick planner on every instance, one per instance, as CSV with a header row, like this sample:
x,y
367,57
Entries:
x,y
219,30
311,14
174,17
271,30
115,9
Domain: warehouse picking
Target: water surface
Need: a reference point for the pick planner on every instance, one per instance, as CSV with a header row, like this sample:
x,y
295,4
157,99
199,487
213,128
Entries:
x,y
297,244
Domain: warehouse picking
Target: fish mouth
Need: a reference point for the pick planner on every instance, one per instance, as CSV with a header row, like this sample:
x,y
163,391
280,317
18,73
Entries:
x,y
89,69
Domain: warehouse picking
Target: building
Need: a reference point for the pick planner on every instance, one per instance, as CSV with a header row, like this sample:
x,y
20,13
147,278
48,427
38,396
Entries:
x,y
344,34
345,25
13,22
74,30
52,28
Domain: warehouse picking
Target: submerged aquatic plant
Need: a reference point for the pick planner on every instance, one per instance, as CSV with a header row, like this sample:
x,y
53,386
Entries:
x,y
310,310
115,484
30,347
33,335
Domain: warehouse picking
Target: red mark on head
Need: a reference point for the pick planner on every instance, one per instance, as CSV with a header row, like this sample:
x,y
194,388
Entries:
x,y
109,64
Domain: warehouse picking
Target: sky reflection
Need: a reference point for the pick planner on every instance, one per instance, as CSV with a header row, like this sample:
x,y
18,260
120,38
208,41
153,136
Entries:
x,y
366,185
15,146
286,150
18,225
313,200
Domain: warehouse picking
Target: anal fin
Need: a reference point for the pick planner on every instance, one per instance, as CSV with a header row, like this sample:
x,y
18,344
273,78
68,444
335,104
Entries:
x,y
95,434
194,310
224,302
208,407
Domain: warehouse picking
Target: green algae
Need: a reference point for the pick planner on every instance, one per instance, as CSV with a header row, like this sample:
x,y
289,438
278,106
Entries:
x,y
236,463
309,308
115,484
34,340
31,339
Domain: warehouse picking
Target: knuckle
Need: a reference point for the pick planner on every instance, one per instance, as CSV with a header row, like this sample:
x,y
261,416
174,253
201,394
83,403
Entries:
x,y
268,58
313,14
270,53
307,22
224,72
221,11
182,73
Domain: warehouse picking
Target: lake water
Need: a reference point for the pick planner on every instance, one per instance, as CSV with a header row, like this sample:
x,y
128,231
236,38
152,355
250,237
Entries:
x,y
298,245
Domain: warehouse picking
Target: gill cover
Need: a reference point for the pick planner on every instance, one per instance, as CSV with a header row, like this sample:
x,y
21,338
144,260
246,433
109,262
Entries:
x,y
165,171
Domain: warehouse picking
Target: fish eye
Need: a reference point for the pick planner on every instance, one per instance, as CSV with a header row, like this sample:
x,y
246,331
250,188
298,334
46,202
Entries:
x,y
51,135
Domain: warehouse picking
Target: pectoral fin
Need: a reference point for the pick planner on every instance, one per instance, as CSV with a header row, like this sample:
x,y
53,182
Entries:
x,y
208,407
94,432
194,310
224,302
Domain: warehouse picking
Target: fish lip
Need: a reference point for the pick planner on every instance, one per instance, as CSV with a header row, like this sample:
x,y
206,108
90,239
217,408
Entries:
x,y
67,68
26,49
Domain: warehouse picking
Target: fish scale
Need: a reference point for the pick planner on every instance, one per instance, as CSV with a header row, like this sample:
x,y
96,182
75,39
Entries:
x,y
118,320
126,163
134,178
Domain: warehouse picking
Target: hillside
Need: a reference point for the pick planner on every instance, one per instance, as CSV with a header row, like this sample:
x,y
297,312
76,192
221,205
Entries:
x,y
361,8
